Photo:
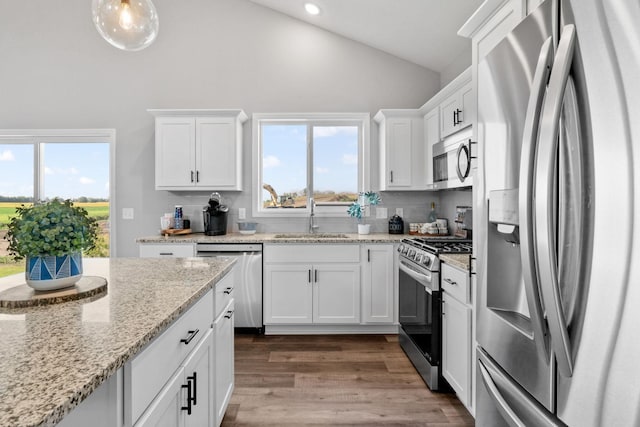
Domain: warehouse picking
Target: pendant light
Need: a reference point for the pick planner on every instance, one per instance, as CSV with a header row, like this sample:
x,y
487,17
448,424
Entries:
x,y
126,24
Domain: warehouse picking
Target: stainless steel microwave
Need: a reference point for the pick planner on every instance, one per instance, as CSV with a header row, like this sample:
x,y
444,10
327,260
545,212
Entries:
x,y
452,163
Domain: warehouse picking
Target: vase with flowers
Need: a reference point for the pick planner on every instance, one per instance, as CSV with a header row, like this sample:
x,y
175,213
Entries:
x,y
359,209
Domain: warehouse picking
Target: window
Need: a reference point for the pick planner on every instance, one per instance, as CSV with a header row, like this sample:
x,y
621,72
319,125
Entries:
x,y
298,157
68,164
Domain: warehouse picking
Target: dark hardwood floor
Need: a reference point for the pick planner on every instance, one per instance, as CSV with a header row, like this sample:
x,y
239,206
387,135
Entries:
x,y
330,380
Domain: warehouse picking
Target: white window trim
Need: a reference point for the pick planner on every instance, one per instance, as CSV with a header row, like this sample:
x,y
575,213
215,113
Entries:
x,y
363,119
37,136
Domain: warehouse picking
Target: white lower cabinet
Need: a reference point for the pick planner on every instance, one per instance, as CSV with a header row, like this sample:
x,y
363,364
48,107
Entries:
x,y
456,332
377,284
308,284
186,400
224,359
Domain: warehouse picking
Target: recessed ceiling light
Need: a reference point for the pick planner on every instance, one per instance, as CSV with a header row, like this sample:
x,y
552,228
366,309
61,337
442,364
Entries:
x,y
311,9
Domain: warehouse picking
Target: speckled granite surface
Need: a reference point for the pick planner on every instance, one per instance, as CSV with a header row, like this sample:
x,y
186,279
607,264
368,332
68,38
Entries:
x,y
271,238
457,260
53,357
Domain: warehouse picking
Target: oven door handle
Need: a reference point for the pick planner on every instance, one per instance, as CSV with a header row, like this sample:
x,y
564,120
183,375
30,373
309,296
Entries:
x,y
423,279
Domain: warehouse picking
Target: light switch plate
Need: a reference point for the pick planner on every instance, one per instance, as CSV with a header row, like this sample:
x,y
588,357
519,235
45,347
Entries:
x,y
127,213
399,211
242,213
381,212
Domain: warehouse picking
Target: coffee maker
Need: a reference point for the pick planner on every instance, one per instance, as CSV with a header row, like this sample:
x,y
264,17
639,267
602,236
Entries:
x,y
464,222
214,216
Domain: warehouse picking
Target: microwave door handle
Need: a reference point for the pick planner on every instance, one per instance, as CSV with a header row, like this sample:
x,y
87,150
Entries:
x,y
545,194
463,147
525,204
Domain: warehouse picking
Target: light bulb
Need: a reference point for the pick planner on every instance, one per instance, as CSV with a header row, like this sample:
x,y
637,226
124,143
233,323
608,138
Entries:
x,y
126,20
125,24
312,9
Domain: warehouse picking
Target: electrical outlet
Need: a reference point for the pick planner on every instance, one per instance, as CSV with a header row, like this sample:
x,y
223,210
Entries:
x,y
381,212
127,213
242,213
399,211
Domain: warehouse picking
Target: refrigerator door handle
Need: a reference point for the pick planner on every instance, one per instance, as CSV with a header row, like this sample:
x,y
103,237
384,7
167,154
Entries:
x,y
545,193
503,407
525,214
513,402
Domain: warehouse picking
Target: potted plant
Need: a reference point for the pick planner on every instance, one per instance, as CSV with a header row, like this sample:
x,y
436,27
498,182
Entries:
x,y
51,236
358,209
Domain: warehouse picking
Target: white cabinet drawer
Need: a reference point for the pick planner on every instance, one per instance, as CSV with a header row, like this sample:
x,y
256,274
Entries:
x,y
147,373
311,253
166,250
456,283
224,292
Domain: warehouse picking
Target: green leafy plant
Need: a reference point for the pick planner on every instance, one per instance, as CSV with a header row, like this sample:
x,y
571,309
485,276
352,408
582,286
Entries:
x,y
367,198
55,228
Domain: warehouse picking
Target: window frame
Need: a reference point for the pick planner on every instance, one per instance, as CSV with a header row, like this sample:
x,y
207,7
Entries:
x,y
362,120
35,137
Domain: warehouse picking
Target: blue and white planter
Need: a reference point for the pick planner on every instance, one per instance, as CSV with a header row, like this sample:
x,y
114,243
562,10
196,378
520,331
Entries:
x,y
47,273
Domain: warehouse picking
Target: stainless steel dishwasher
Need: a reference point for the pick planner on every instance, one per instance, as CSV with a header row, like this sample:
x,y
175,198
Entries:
x,y
248,291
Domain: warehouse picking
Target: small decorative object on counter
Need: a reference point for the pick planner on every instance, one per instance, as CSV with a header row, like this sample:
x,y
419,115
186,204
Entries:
x,y
396,225
358,209
52,236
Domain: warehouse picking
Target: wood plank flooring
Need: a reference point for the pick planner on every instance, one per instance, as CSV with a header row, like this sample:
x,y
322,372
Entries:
x,y
333,380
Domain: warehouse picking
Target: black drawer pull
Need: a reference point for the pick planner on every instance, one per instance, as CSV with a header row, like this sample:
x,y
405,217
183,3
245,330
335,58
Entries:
x,y
189,337
166,253
229,314
451,282
228,290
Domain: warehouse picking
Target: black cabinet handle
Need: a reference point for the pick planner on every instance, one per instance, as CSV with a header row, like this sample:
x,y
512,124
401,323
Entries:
x,y
455,120
193,381
191,176
166,253
451,282
229,314
228,290
189,337
457,116
309,276
368,255
391,176
189,398
197,176
315,276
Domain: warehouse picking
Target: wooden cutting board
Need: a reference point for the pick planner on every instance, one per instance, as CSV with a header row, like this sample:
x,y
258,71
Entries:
x,y
174,232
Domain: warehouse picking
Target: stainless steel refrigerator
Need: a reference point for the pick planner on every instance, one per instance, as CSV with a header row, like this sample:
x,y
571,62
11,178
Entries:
x,y
557,194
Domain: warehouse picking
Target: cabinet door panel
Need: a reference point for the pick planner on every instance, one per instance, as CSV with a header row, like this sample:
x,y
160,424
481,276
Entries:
x,y
456,346
399,142
447,110
216,153
432,136
199,370
288,294
224,368
377,284
165,411
336,293
175,151
467,101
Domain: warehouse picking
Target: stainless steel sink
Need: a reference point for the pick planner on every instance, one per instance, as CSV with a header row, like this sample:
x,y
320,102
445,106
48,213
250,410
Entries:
x,y
311,236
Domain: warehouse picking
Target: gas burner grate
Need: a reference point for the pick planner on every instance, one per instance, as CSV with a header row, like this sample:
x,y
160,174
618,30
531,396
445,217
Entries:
x,y
442,246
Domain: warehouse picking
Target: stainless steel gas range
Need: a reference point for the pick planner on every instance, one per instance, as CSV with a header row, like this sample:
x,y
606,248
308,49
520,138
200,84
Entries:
x,y
420,299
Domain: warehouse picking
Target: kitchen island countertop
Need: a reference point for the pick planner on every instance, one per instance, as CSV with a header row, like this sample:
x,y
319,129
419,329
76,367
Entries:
x,y
52,357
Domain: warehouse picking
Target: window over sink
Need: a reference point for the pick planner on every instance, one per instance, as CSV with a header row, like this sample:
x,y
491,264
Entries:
x,y
297,157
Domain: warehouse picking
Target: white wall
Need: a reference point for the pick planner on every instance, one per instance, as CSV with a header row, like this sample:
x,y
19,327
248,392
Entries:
x,y
457,66
57,72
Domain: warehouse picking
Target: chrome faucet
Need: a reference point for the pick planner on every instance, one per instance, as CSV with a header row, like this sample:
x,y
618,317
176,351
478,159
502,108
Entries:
x,y
312,217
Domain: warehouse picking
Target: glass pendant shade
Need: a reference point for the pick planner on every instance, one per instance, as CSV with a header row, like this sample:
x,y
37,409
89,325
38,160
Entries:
x,y
126,24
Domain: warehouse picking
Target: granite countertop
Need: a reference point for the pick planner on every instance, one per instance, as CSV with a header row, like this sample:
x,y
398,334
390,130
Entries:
x,y
289,237
52,357
462,261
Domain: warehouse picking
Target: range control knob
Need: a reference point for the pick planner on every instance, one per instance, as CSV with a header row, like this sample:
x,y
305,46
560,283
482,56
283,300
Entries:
x,y
419,259
411,253
427,261
400,248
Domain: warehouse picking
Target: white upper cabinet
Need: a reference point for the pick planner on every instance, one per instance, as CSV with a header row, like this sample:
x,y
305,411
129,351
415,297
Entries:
x,y
432,137
402,153
456,111
199,149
